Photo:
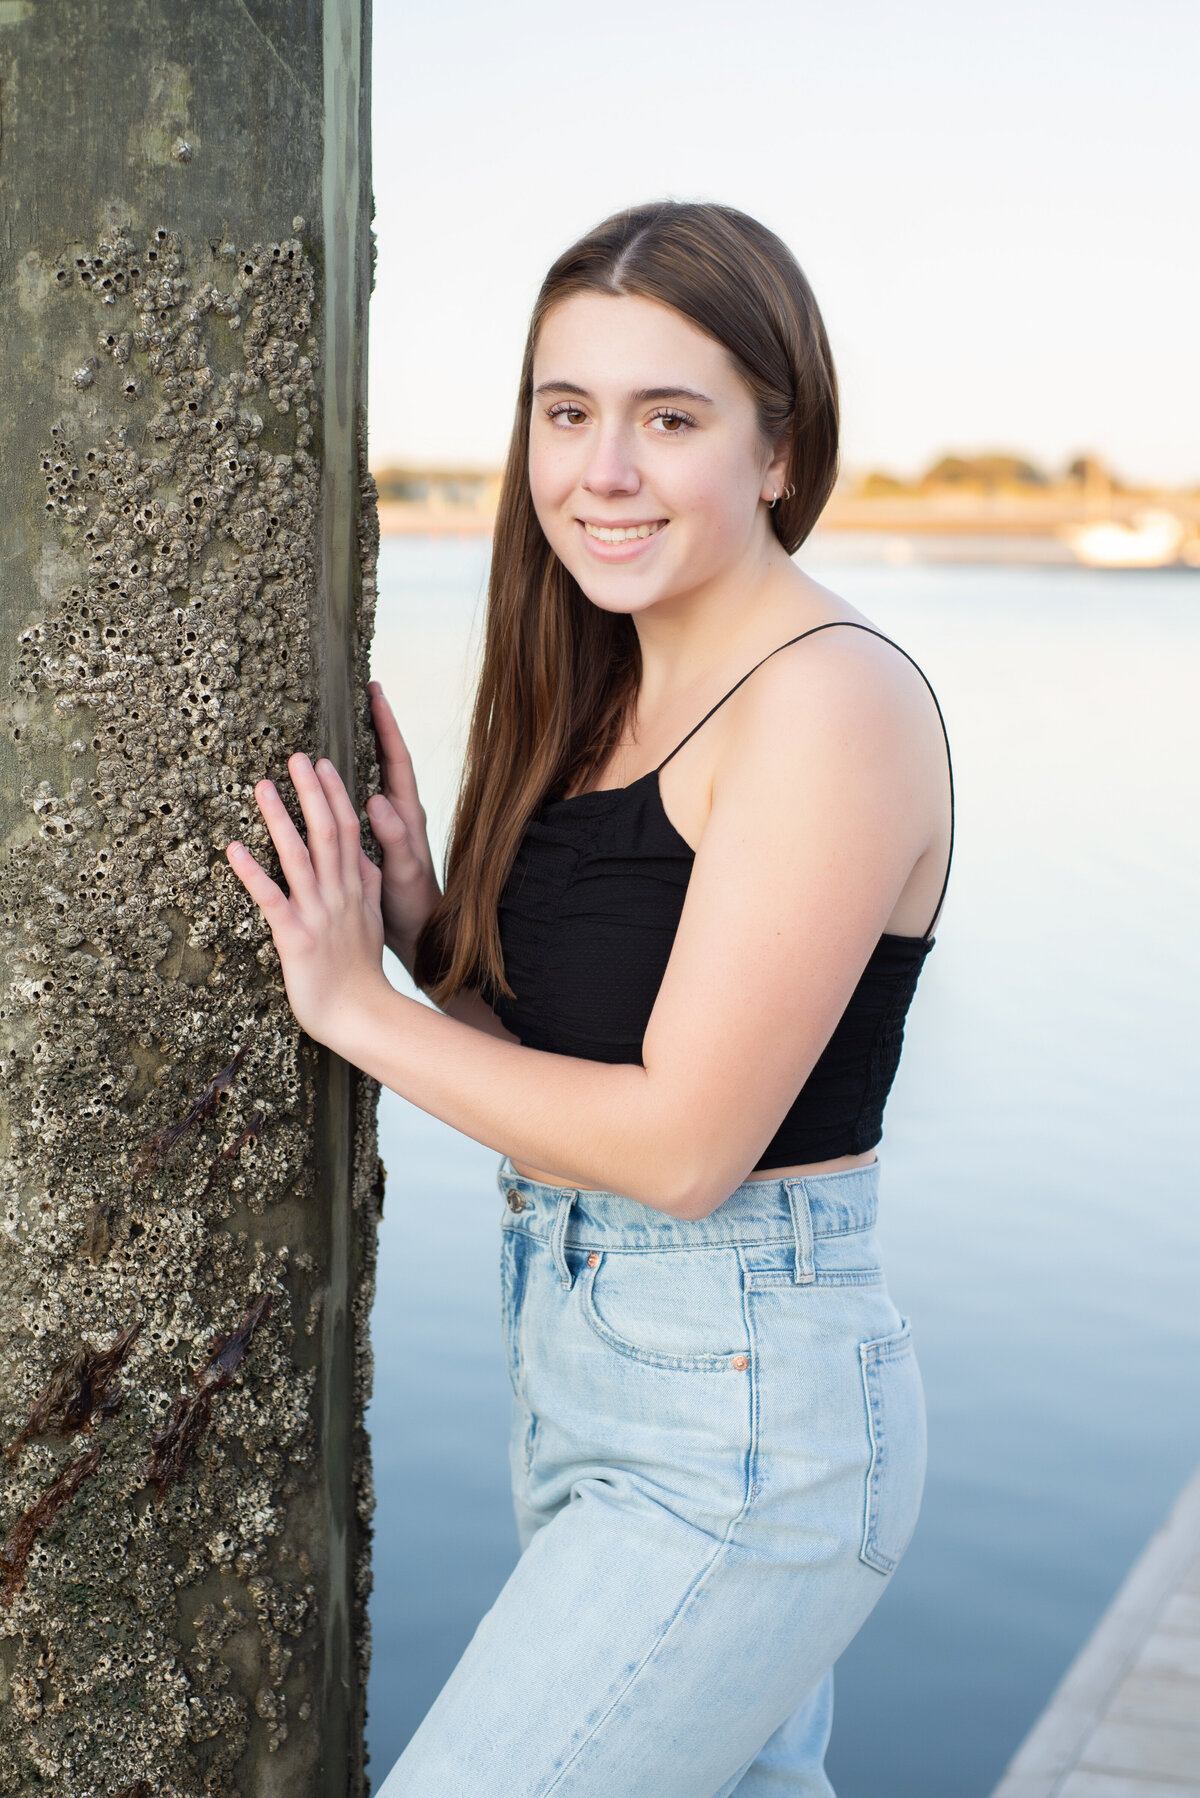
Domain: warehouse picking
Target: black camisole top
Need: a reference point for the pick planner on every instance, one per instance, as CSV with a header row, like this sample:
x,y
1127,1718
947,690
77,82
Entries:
x,y
587,918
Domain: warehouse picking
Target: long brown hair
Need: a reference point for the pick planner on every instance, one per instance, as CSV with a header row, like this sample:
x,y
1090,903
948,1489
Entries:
x,y
559,675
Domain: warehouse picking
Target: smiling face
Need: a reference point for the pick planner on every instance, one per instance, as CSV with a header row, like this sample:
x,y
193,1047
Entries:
x,y
647,468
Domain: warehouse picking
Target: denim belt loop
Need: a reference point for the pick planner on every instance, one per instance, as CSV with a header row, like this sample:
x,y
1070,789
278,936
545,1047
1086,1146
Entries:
x,y
802,1226
558,1237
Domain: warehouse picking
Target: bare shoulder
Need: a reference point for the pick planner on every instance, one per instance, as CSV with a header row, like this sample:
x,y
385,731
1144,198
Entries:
x,y
844,683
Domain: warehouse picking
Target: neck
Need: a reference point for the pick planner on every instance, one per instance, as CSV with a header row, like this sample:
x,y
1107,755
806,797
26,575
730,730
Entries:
x,y
683,638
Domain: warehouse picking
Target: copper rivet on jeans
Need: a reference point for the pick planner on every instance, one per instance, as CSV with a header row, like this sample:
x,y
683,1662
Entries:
x,y
593,1260
741,1363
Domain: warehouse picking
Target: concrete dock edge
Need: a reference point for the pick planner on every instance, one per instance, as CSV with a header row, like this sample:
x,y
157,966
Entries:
x,y
1124,1721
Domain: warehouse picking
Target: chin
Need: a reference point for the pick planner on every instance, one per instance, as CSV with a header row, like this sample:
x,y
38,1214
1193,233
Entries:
x,y
611,593
620,602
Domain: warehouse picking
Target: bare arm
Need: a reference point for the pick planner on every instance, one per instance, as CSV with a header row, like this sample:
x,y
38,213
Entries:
x,y
821,809
470,1008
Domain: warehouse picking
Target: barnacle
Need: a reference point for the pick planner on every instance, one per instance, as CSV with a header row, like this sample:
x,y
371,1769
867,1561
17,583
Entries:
x,y
249,1135
160,1142
175,1443
16,1547
79,1390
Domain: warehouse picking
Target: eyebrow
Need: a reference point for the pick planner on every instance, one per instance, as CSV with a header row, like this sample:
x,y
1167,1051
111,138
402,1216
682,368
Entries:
x,y
643,393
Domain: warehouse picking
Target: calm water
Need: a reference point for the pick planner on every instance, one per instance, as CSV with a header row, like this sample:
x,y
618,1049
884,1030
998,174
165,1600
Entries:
x,y
1038,1207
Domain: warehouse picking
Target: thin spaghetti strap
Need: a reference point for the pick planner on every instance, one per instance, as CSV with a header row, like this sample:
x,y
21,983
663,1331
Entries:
x,y
847,624
734,688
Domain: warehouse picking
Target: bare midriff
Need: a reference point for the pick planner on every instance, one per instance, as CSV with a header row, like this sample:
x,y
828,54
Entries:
x,y
837,1165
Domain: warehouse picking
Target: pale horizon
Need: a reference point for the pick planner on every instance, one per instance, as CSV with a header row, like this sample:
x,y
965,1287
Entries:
x,y
995,208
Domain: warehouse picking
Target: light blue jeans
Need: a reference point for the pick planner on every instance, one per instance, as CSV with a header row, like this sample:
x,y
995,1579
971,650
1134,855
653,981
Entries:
x,y
718,1452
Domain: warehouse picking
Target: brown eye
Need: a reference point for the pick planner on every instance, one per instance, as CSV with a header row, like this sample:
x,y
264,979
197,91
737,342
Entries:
x,y
672,423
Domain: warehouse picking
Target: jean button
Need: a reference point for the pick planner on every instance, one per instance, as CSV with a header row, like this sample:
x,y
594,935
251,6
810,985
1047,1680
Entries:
x,y
514,1200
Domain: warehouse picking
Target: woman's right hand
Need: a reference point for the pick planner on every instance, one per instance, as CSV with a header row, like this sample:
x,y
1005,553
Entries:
x,y
397,819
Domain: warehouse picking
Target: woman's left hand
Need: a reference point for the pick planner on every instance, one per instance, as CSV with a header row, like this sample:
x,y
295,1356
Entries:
x,y
327,928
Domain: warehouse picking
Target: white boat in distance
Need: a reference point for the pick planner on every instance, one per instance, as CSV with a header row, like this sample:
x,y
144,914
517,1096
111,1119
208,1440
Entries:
x,y
1155,539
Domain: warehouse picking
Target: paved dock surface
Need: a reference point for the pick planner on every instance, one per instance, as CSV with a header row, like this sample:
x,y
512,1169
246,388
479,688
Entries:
x,y
1125,1719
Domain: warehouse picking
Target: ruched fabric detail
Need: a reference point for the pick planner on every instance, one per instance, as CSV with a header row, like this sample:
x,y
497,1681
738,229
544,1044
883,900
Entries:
x,y
587,919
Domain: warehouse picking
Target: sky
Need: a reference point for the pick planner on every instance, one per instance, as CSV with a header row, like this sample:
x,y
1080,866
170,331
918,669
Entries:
x,y
996,205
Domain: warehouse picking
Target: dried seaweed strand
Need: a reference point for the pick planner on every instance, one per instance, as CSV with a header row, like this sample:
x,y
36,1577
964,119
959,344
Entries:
x,y
250,1134
159,1143
17,1545
79,1391
174,1444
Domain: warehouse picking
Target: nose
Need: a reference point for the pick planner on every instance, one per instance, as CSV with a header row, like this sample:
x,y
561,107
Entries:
x,y
610,467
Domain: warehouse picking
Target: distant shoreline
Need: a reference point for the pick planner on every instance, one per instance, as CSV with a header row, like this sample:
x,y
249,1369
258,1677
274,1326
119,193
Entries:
x,y
1136,530
956,515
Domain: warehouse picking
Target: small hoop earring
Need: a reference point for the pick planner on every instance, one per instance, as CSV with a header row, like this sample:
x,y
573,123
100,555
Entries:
x,y
789,491
771,501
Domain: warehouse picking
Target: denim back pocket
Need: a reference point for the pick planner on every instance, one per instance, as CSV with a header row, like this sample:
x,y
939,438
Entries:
x,y
896,1422
681,1310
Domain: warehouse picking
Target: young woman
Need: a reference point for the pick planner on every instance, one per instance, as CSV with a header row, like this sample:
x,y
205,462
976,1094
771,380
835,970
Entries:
x,y
702,839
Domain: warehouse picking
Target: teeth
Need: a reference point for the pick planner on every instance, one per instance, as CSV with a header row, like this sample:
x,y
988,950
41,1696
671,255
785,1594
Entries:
x,y
622,533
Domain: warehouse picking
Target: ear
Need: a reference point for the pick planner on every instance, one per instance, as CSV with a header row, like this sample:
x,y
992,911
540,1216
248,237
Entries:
x,y
775,476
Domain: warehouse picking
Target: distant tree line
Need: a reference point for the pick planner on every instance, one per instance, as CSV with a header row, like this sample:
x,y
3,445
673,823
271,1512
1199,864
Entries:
x,y
418,484
992,473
